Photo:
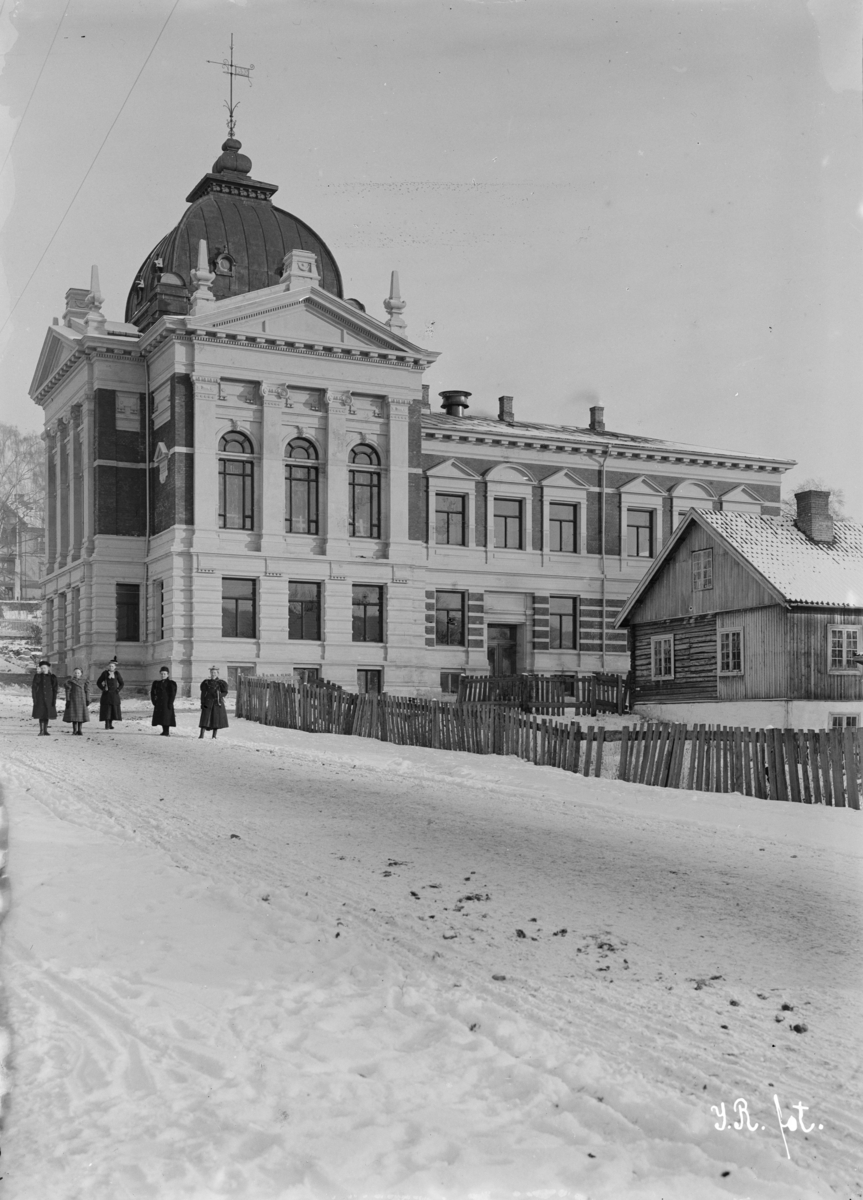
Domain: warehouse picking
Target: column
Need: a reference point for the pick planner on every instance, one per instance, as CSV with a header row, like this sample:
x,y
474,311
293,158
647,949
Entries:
x,y
76,483
62,491
335,475
273,474
88,441
50,439
206,474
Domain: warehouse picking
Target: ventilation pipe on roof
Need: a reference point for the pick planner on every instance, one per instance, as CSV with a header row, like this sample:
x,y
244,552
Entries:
x,y
813,516
454,402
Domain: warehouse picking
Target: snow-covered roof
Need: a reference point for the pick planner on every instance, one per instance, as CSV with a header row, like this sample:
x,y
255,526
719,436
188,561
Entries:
x,y
632,445
803,571
798,570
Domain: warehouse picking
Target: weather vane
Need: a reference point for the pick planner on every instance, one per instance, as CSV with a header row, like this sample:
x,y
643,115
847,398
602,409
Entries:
x,y
231,69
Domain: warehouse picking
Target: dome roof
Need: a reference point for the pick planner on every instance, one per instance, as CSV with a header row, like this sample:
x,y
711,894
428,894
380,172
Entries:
x,y
247,240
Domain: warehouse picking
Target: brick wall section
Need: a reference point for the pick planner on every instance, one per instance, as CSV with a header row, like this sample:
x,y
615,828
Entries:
x,y
120,501
430,618
481,509
417,507
475,620
415,434
536,518
116,445
540,622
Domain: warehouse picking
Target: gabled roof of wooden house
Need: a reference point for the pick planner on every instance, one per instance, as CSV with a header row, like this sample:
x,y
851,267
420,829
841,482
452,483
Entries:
x,y
796,569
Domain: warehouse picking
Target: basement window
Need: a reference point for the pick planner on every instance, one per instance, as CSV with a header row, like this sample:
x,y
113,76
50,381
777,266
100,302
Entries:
x,y
844,720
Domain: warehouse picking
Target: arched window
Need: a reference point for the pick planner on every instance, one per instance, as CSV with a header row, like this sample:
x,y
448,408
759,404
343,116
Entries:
x,y
301,487
365,493
236,482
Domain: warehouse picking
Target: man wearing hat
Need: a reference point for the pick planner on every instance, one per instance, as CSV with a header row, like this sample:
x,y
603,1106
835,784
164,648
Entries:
x,y
214,715
44,689
162,695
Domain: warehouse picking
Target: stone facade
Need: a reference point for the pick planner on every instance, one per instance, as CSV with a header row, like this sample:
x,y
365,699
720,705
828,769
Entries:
x,y
502,542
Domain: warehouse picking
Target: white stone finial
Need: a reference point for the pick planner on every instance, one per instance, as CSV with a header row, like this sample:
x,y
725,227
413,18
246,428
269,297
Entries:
x,y
95,318
202,277
395,306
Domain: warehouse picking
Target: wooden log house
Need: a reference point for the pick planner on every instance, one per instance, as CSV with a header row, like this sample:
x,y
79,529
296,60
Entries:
x,y
752,620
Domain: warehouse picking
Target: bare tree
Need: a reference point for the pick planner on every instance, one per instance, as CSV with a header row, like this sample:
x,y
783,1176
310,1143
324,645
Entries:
x,y
22,474
837,498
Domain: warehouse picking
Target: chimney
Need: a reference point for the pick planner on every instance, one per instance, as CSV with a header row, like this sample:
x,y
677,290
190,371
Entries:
x,y
504,410
597,418
76,304
813,516
454,402
426,401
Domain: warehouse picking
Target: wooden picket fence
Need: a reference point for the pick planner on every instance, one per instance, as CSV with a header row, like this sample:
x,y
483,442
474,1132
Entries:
x,y
802,766
552,695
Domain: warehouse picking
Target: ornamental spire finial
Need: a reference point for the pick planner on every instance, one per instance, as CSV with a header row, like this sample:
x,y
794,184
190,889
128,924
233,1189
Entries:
x,y
95,318
395,306
231,69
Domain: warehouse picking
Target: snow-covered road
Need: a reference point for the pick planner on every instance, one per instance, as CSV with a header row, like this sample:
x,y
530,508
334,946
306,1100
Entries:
x,y
290,965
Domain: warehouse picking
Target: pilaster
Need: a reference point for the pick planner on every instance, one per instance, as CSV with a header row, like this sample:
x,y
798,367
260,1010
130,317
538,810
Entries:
x,y
49,436
62,491
88,441
206,478
336,475
398,413
75,483
273,474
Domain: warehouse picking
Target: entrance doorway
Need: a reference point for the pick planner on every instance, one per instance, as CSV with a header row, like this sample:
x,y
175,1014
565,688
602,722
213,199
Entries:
x,y
503,649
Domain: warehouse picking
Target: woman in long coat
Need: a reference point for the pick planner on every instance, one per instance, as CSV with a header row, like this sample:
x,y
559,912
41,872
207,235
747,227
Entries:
x,y
44,688
162,695
214,715
110,684
77,699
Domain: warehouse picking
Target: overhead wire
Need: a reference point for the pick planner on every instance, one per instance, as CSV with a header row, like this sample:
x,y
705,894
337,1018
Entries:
x,y
89,169
35,85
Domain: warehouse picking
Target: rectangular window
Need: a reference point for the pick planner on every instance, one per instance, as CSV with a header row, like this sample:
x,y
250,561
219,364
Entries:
x,y
639,532
369,682
563,621
128,612
62,631
236,494
702,570
127,411
563,528
844,720
450,520
449,682
301,498
238,608
159,608
731,652
304,612
235,671
507,524
449,618
367,611
844,643
50,640
365,504
662,657
307,674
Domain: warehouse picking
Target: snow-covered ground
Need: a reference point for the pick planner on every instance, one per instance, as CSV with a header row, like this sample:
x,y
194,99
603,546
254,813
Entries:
x,y
287,965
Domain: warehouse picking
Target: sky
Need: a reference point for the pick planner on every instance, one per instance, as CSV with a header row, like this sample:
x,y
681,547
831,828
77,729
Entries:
x,y
650,204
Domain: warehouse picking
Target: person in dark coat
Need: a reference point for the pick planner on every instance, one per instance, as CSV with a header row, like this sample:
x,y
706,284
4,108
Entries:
x,y
162,695
214,715
44,688
110,684
77,700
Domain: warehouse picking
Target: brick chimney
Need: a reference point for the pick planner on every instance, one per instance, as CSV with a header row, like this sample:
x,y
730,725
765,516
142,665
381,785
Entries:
x,y
504,410
813,516
597,418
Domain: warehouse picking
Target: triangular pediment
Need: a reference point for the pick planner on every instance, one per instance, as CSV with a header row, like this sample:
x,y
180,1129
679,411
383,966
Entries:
x,y
56,348
306,317
740,494
565,479
451,469
641,486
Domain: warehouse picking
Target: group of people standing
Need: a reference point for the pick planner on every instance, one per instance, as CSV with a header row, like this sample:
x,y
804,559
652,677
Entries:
x,y
163,692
